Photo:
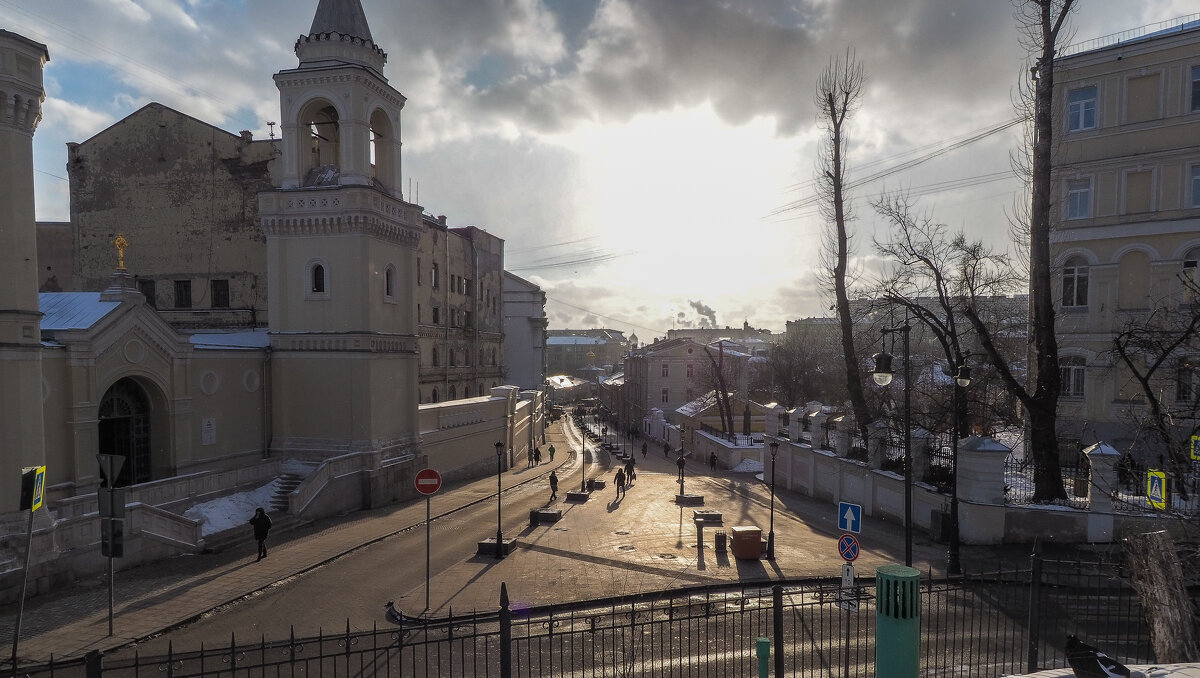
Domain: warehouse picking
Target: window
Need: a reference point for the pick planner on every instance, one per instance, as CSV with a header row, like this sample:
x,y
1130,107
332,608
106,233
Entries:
x,y
183,294
1196,88
1190,276
435,356
1195,185
691,371
433,397
468,320
1187,384
389,282
453,362
665,392
1081,109
220,294
1071,371
666,371
453,392
147,289
433,276
318,279
418,271
1079,199
1075,283
437,315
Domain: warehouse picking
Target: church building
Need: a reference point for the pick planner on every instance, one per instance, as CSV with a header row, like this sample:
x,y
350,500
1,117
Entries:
x,y
212,354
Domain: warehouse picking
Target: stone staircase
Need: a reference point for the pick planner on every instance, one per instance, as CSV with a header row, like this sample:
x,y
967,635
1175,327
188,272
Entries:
x,y
288,482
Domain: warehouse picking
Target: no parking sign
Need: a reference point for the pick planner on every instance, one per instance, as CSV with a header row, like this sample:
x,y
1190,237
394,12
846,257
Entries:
x,y
848,547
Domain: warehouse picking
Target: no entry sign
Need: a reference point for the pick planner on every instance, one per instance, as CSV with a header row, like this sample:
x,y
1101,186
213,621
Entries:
x,y
428,481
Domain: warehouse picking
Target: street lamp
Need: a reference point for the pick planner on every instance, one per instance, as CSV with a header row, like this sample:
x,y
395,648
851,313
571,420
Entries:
x,y
883,376
499,489
961,380
771,532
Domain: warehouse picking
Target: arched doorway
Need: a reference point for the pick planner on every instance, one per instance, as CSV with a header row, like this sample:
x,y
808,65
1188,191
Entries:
x,y
125,430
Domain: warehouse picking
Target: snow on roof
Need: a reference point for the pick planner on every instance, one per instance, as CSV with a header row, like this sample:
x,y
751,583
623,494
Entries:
x,y
73,310
575,341
246,339
698,405
563,381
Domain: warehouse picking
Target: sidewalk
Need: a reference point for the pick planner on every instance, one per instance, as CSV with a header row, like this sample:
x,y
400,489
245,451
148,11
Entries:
x,y
601,547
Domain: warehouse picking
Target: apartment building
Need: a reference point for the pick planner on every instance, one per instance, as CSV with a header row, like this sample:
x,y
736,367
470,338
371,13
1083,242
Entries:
x,y
1126,226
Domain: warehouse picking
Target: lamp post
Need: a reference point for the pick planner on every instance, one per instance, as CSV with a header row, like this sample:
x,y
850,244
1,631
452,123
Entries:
x,y
962,379
771,531
499,489
883,376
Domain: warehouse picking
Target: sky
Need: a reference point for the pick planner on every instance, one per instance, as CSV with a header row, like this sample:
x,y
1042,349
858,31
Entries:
x,y
648,163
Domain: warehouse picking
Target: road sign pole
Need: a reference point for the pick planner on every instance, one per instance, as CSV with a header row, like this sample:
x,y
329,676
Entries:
x,y
24,583
110,595
428,501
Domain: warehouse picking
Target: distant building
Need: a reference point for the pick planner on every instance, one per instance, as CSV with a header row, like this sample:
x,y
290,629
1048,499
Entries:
x,y
1126,223
667,374
753,340
524,333
588,354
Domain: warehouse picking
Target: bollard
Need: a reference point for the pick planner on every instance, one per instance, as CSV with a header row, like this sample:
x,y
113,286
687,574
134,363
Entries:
x,y
762,647
897,622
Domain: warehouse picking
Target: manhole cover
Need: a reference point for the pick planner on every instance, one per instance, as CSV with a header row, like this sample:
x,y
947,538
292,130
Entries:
x,y
626,547
558,529
621,532
667,556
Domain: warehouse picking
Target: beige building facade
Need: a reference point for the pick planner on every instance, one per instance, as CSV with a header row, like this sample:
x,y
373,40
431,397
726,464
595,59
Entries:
x,y
1126,227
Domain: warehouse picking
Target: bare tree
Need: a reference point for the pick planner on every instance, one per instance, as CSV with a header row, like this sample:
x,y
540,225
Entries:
x,y
722,372
1040,23
937,277
1157,352
802,369
838,94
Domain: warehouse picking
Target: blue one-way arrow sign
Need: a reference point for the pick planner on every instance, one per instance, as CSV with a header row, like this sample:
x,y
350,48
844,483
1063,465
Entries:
x,y
849,517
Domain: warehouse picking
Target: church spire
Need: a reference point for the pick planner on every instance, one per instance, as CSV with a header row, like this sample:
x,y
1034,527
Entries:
x,y
341,16
340,35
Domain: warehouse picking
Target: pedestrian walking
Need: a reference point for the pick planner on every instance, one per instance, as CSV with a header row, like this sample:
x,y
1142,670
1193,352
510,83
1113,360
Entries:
x,y
551,454
553,486
630,473
619,481
537,456
712,461
666,449
643,449
262,526
679,462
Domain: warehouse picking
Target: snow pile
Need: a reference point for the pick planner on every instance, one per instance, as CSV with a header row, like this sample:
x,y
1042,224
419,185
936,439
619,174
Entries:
x,y
748,466
232,511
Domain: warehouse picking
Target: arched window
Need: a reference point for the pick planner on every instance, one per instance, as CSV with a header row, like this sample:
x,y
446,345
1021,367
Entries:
x,y
453,395
1191,276
467,391
453,358
383,150
1072,370
317,280
1187,384
1075,283
323,126
433,397
389,282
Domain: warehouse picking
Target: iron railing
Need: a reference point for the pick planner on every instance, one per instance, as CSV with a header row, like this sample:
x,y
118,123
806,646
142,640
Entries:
x,y
1003,621
1019,474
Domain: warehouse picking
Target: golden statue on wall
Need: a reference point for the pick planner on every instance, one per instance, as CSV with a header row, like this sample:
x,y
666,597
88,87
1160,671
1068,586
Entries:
x,y
122,244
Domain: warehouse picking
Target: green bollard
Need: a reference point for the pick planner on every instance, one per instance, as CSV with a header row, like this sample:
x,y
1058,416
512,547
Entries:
x,y
897,622
762,647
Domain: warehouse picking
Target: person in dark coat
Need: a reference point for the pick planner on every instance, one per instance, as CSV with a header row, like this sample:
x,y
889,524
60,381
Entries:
x,y
630,473
552,453
262,526
680,462
553,486
712,461
619,481
643,450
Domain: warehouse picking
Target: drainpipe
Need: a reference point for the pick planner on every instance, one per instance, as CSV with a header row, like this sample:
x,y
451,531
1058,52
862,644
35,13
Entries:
x,y
266,403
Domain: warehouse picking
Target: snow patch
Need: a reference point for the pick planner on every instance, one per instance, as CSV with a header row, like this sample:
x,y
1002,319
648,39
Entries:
x,y
232,511
748,466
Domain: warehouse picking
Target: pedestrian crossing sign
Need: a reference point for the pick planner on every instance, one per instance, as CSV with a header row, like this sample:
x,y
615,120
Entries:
x,y
1195,448
1156,489
33,487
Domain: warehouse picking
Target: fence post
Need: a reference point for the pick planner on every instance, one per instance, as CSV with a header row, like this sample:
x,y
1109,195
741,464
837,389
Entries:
x,y
505,633
93,664
777,622
1035,619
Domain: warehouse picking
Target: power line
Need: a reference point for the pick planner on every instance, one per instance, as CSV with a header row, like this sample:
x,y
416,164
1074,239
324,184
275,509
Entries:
x,y
601,315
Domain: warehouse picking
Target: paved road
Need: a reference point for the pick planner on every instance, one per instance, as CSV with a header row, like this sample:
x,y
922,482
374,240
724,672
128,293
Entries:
x,y
350,567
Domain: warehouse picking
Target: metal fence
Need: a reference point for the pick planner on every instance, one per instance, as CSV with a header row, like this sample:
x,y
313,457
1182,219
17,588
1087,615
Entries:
x,y
1004,621
1019,474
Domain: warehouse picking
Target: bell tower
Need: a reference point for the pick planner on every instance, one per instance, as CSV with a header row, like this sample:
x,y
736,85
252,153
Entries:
x,y
341,250
21,96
